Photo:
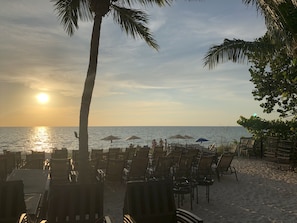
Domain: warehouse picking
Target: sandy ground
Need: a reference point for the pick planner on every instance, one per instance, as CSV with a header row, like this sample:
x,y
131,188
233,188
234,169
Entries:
x,y
262,194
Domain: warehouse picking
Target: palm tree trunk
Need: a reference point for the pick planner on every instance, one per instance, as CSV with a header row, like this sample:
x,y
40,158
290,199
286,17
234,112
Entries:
x,y
86,101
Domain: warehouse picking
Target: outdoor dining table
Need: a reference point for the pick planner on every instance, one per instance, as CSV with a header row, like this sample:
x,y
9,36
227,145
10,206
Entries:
x,y
36,183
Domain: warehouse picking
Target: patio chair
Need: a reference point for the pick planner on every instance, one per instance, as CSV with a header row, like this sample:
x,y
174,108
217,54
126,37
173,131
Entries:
x,y
203,175
182,179
35,160
114,170
60,171
137,169
153,201
224,165
113,153
76,203
142,153
12,203
3,167
60,153
163,168
155,157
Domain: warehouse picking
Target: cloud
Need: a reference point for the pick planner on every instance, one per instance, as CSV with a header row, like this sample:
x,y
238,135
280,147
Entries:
x,y
36,53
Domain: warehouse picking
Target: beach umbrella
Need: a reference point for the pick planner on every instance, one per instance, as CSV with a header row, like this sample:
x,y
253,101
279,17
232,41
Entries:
x,y
178,136
133,137
188,137
110,138
202,140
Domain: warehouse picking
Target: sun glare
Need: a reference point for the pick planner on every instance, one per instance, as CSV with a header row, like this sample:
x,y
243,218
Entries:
x,y
42,98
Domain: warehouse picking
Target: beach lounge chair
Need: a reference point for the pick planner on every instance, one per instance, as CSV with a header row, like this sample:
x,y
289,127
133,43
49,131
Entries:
x,y
12,203
155,157
76,203
153,201
60,171
142,153
35,160
224,165
60,153
137,169
163,168
3,168
113,153
114,170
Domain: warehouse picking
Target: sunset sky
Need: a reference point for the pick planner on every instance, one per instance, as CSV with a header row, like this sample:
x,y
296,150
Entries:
x,y
135,85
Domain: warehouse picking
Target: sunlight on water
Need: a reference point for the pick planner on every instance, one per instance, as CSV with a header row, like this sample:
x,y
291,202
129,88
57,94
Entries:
x,y
41,139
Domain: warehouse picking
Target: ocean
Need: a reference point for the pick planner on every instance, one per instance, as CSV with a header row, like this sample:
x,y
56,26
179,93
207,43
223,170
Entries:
x,y
25,139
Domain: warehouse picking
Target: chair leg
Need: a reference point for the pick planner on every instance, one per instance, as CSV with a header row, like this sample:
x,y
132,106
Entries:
x,y
191,200
207,193
218,174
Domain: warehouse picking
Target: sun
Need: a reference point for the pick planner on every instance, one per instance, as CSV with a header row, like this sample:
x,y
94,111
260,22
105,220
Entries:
x,y
42,98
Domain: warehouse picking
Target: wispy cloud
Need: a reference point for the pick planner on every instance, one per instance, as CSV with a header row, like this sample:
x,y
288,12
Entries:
x,y
171,84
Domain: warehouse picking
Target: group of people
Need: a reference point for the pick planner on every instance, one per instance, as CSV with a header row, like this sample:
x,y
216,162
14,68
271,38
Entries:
x,y
162,143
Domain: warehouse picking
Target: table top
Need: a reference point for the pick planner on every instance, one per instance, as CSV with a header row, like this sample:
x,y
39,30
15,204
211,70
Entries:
x,y
35,180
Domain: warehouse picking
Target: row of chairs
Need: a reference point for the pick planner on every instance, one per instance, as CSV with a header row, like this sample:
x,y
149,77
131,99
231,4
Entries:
x,y
145,201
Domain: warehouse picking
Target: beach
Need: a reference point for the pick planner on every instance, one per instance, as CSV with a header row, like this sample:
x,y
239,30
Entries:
x,y
262,194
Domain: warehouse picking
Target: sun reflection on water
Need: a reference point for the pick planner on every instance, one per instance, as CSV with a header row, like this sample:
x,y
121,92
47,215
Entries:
x,y
41,139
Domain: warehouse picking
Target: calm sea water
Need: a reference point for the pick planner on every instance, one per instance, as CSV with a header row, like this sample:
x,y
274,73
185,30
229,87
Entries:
x,y
46,138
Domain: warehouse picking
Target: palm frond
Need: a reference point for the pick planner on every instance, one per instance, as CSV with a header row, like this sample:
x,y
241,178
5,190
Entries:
x,y
134,22
145,2
69,11
236,51
280,18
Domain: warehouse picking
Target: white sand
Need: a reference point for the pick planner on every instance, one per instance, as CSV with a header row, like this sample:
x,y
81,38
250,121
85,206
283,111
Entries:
x,y
262,194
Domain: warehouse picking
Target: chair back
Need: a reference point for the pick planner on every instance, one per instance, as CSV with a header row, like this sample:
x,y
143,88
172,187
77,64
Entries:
x,y
12,203
184,168
225,162
131,152
204,165
10,161
60,153
113,153
163,168
142,153
138,169
76,203
60,170
114,169
150,201
35,160
156,155
96,153
3,168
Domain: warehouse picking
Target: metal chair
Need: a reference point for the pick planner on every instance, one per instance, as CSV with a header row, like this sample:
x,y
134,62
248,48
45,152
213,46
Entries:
x,y
153,201
76,203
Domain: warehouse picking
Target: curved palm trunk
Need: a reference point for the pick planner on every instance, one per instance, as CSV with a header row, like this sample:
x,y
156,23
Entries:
x,y
86,101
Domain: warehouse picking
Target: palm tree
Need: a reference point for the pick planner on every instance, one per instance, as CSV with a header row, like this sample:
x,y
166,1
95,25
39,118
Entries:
x,y
132,21
281,22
